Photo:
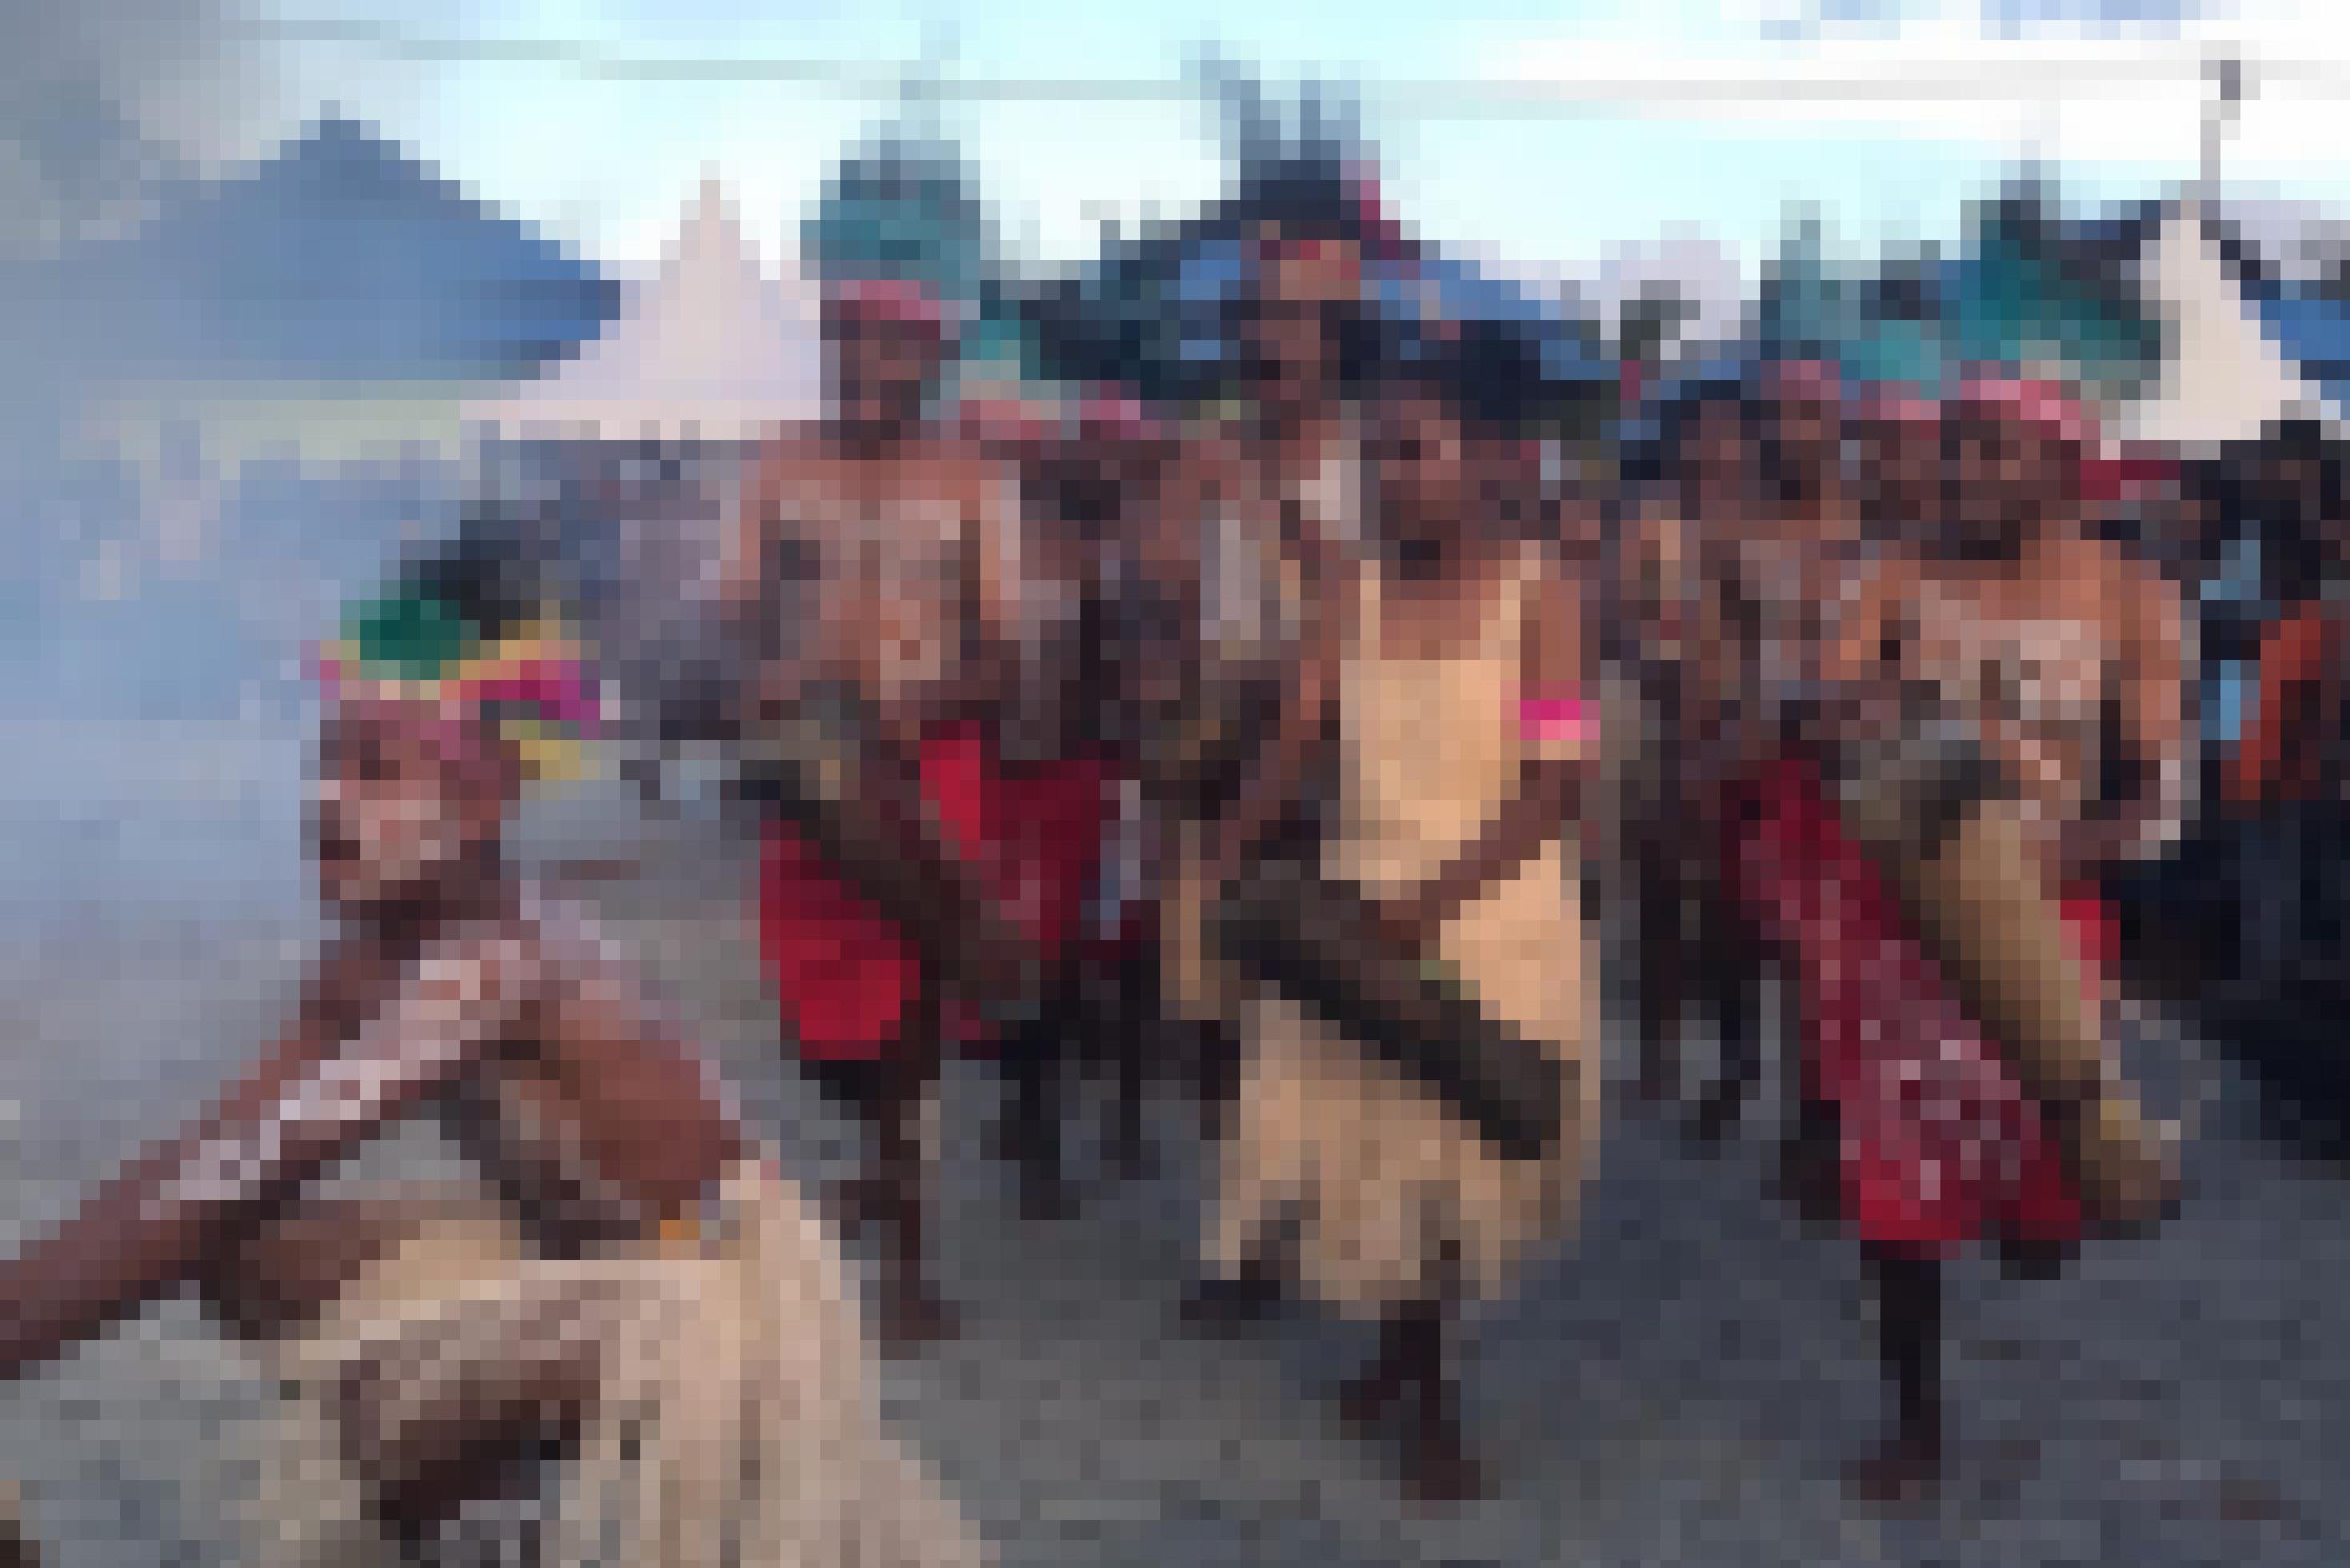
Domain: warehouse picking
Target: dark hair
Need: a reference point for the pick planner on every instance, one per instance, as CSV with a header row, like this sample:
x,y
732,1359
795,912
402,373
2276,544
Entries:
x,y
1305,199
1483,373
1653,455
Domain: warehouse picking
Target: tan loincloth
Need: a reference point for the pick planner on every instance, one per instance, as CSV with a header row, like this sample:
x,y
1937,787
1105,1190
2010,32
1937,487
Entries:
x,y
737,1421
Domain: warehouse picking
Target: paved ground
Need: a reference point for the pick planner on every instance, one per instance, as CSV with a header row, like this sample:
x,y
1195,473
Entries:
x,y
1678,1387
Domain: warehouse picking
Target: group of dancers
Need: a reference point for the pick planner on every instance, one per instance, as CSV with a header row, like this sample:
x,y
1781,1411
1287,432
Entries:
x,y
1042,719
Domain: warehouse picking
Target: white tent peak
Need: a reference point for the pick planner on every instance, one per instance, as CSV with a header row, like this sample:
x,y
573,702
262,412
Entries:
x,y
2224,376
712,347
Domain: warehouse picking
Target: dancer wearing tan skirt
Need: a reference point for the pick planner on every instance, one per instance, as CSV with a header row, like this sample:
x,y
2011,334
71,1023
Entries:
x,y
642,1288
1460,732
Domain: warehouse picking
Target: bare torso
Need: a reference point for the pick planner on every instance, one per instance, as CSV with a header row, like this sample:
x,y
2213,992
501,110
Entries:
x,y
909,554
592,1125
2042,660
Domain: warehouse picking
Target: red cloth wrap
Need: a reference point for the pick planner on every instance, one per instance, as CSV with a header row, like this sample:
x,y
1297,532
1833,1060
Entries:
x,y
844,973
1940,1145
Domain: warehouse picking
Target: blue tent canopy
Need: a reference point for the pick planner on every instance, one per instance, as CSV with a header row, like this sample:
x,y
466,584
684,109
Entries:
x,y
2314,333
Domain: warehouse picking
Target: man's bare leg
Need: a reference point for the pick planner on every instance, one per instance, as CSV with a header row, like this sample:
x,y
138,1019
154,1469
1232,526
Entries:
x,y
912,1314
480,1439
1127,1024
1663,968
1732,965
1038,1062
1413,1370
1908,1464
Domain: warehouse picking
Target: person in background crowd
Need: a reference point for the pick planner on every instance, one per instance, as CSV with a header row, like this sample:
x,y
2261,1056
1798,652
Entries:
x,y
644,1287
1453,661
1897,468
2182,915
1251,511
2282,744
880,563
2283,784
1706,460
1090,485
1773,581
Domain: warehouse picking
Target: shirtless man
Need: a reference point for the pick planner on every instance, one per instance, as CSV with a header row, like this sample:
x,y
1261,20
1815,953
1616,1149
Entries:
x,y
649,1288
880,563
1252,509
2059,657
1099,654
2061,650
1761,552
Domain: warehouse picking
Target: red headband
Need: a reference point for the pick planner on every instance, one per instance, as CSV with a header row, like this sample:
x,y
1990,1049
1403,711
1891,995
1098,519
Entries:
x,y
890,302
2044,406
1886,406
1805,379
1111,417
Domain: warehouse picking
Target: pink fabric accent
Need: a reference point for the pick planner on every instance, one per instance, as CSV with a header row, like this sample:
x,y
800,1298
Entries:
x,y
1556,719
557,692
1892,406
2046,406
891,300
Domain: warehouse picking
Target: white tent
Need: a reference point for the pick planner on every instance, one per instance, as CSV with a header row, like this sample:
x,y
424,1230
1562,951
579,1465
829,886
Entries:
x,y
1682,263
2224,376
711,350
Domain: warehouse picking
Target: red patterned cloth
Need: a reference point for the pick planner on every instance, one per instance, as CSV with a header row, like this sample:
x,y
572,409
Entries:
x,y
1940,1144
843,971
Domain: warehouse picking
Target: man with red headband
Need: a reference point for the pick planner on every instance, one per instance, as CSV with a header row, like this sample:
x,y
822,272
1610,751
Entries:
x,y
2061,647
875,556
2008,726
908,605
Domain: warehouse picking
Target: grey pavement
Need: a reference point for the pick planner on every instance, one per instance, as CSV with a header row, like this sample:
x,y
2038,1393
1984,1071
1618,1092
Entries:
x,y
1678,1384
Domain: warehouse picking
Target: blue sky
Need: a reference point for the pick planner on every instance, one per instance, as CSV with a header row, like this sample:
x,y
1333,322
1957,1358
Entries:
x,y
611,161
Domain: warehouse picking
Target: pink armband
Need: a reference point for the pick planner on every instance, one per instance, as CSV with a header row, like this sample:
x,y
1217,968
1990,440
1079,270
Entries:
x,y
1554,719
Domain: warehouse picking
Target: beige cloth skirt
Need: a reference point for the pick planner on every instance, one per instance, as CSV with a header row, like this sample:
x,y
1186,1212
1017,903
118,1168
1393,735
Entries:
x,y
737,1421
1392,1196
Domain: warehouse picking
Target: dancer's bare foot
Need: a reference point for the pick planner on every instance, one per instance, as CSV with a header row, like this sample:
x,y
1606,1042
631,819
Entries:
x,y
1367,1400
1904,1472
913,1317
859,1204
1131,1158
1656,1084
999,1144
1438,1470
1045,1196
1717,1115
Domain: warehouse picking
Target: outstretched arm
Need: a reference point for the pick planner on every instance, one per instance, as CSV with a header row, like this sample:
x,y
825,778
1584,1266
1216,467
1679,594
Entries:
x,y
308,1104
